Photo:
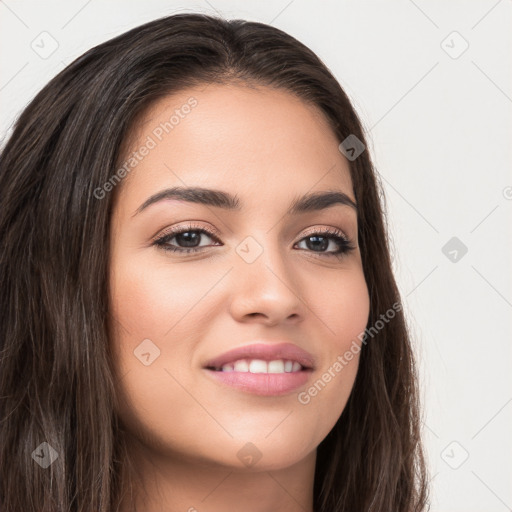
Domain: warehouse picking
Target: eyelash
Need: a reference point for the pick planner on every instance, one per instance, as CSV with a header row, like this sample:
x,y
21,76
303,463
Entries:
x,y
344,242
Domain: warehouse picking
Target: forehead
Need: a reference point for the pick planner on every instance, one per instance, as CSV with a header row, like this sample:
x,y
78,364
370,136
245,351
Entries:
x,y
251,140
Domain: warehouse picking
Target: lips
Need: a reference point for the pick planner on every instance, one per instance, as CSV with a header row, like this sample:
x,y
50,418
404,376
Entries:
x,y
265,352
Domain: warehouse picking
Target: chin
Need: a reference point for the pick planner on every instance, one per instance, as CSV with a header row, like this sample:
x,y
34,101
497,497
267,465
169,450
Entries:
x,y
264,455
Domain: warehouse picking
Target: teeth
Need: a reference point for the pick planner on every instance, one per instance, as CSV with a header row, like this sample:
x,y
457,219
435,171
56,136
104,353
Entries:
x,y
260,366
276,366
296,367
240,366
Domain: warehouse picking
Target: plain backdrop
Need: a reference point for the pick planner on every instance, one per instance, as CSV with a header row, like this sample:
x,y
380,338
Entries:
x,y
432,83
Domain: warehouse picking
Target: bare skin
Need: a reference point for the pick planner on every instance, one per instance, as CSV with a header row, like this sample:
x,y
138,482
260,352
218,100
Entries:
x,y
267,148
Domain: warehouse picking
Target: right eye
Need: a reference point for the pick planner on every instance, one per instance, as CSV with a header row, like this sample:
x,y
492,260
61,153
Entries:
x,y
189,237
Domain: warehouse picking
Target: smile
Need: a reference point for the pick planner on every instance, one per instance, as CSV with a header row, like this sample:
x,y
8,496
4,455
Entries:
x,y
260,366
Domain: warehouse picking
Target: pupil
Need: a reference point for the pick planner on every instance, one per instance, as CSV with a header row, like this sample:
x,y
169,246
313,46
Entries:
x,y
188,238
323,244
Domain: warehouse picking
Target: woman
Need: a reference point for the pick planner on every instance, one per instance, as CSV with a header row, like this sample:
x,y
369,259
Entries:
x,y
198,310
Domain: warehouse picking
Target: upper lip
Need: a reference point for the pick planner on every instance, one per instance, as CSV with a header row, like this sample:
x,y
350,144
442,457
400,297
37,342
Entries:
x,y
265,352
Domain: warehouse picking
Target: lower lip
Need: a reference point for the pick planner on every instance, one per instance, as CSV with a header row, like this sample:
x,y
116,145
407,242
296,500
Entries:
x,y
265,384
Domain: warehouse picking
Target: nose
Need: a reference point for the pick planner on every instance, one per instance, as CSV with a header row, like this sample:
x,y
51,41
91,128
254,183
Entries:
x,y
266,290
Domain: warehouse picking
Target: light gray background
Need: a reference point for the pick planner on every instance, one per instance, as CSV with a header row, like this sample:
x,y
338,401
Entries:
x,y
439,124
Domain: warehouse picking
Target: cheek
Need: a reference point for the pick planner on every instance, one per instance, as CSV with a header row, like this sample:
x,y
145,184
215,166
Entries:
x,y
343,305
344,309
151,303
149,300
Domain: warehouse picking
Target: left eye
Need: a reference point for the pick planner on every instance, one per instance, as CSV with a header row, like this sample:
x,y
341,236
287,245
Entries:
x,y
188,240
320,242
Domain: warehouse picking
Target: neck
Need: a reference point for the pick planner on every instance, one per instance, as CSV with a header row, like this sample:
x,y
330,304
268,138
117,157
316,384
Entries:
x,y
173,483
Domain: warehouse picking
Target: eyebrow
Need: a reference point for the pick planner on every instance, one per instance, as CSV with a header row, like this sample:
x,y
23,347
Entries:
x,y
314,201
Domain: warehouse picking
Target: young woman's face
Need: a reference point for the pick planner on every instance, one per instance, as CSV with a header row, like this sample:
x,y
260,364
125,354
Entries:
x,y
253,271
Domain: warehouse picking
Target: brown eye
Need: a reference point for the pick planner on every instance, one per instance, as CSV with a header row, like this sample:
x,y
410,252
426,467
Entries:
x,y
321,241
186,240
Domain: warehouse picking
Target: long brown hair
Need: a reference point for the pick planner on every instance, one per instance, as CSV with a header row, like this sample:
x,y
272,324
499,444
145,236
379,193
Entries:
x,y
57,383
